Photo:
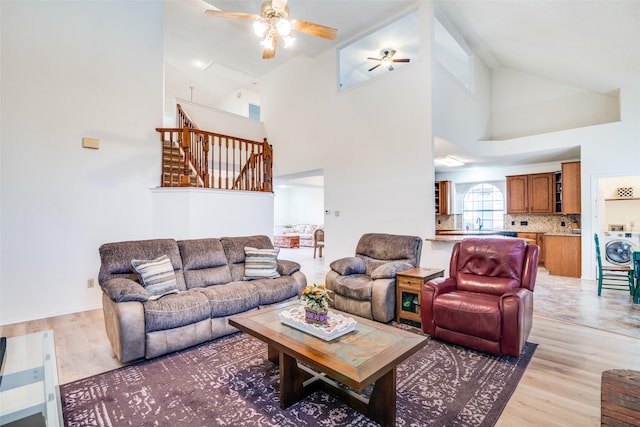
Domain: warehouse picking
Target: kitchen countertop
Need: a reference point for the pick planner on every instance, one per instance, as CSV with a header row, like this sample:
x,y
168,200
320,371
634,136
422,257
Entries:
x,y
459,237
467,232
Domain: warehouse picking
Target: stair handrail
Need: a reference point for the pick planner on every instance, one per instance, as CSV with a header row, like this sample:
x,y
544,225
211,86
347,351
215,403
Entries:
x,y
221,161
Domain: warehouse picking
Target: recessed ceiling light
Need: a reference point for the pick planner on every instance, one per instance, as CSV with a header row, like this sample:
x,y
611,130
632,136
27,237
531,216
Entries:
x,y
198,63
447,161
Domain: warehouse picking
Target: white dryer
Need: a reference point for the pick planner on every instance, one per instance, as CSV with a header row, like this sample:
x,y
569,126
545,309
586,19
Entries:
x,y
618,247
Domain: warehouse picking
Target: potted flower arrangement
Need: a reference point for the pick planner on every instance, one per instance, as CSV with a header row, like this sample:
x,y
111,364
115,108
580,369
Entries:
x,y
316,301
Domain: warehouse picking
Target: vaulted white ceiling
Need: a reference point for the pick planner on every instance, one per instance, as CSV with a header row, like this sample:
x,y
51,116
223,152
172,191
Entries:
x,y
592,44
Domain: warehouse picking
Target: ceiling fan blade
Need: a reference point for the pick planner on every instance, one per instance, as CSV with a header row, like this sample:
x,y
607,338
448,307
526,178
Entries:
x,y
402,60
391,53
374,67
223,14
375,59
314,29
269,53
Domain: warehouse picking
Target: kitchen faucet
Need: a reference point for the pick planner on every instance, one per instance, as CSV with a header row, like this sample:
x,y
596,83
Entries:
x,y
479,222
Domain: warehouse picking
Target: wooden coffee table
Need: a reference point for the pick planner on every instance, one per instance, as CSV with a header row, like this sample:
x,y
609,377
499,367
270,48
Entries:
x,y
368,355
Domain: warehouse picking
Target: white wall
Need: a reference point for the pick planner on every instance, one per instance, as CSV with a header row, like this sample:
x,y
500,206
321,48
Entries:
x,y
460,116
196,213
298,205
70,70
523,104
223,122
373,142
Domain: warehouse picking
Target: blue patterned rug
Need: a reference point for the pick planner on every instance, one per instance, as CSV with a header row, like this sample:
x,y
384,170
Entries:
x,y
230,382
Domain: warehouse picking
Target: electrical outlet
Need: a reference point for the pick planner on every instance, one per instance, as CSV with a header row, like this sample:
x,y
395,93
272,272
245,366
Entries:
x,y
524,222
91,282
563,224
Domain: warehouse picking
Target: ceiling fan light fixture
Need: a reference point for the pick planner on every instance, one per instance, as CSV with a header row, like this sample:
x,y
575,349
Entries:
x,y
288,41
283,26
260,27
267,43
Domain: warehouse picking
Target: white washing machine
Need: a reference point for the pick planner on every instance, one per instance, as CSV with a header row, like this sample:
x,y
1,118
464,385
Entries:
x,y
618,247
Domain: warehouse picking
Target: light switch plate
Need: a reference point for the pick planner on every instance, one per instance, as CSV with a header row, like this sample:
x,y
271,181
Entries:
x,y
91,143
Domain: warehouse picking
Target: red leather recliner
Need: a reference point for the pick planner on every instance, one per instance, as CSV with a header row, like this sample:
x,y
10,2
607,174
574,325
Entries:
x,y
486,303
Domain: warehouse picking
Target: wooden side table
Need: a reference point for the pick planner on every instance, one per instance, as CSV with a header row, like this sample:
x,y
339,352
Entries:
x,y
286,241
408,291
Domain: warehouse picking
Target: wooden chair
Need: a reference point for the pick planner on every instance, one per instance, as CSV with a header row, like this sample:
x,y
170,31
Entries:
x,y
318,242
619,278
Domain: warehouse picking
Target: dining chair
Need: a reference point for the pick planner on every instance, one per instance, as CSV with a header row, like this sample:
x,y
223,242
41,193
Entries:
x,y
620,278
318,242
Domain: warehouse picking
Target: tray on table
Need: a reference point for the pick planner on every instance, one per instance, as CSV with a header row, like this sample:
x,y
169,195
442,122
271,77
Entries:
x,y
336,326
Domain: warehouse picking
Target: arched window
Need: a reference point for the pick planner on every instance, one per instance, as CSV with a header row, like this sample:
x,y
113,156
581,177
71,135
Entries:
x,y
483,208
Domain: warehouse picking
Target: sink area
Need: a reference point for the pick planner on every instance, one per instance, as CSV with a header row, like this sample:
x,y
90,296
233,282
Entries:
x,y
465,232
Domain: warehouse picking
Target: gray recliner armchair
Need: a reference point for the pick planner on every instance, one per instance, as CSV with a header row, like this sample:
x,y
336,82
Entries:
x,y
365,284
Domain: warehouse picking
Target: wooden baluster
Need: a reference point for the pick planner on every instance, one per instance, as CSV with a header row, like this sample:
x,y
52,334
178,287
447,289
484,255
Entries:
x,y
186,137
226,165
207,183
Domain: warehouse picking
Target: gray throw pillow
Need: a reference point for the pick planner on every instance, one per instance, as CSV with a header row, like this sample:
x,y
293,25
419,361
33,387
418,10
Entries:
x,y
349,265
260,263
156,275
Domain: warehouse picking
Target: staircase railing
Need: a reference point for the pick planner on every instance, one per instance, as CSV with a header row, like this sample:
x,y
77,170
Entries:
x,y
218,161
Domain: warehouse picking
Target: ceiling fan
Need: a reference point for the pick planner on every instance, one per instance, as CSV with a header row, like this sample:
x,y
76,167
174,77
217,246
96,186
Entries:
x,y
274,22
387,60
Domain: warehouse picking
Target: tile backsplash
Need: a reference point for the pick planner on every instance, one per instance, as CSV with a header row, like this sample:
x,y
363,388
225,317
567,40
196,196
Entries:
x,y
552,223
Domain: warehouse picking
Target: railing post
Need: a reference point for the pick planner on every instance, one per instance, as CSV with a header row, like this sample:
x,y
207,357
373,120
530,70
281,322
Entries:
x,y
267,149
185,147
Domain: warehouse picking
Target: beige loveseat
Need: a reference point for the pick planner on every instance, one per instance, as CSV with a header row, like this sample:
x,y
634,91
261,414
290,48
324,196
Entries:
x,y
305,231
204,284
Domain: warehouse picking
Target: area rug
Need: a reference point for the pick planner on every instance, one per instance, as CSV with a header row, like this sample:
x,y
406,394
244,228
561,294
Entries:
x,y
230,382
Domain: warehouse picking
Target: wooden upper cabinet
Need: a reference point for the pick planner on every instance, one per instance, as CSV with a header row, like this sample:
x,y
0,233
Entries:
x,y
531,193
517,194
571,188
541,193
444,198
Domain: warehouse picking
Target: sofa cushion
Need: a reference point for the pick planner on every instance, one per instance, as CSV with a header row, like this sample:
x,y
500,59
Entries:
x,y
229,299
204,263
234,250
156,276
356,286
175,310
260,263
389,247
469,313
272,291
116,258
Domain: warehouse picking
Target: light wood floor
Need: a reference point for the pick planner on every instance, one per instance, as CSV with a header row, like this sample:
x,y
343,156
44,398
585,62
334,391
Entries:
x,y
561,386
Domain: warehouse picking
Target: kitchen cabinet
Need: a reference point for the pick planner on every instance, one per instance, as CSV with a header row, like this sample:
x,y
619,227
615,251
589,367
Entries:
x,y
563,254
537,238
571,188
532,193
443,198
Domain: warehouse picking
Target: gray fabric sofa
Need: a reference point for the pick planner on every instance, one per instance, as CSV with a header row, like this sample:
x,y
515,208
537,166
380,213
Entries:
x,y
365,284
209,274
